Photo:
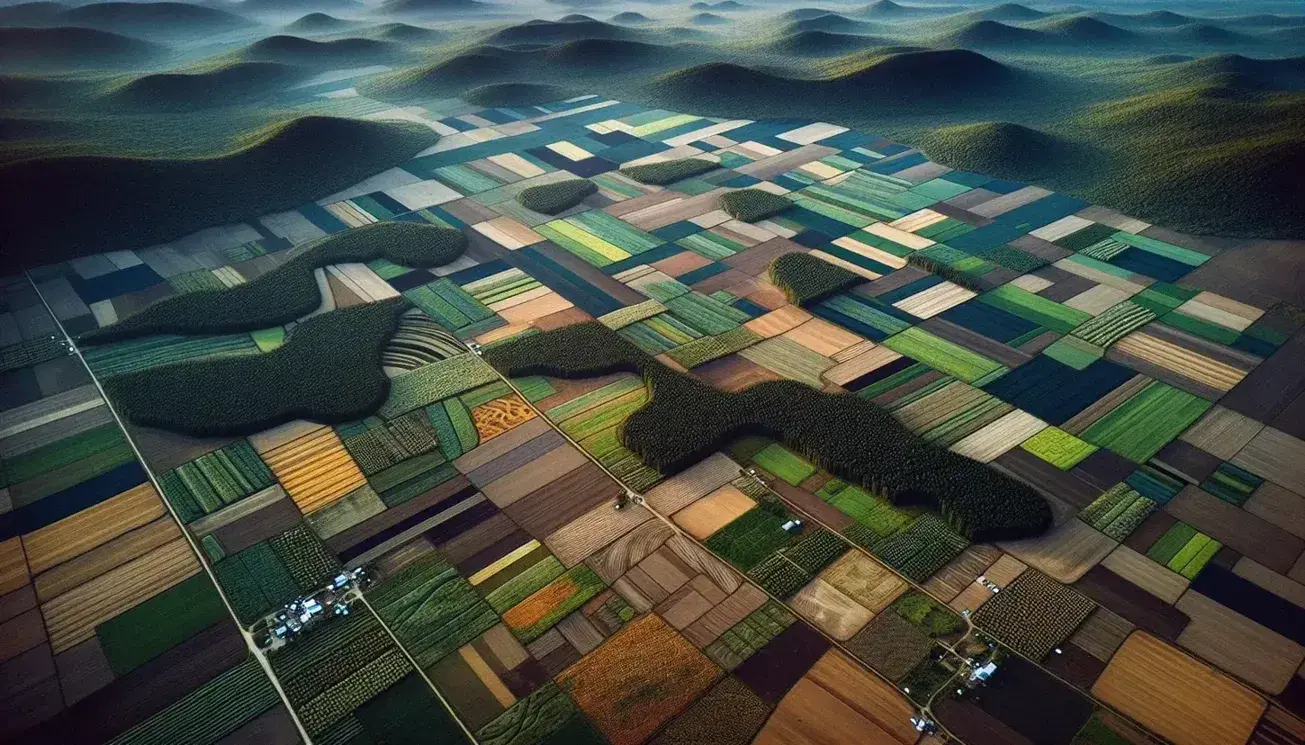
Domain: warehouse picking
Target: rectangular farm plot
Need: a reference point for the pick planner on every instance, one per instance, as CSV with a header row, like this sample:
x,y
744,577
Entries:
x,y
1177,696
942,355
638,679
315,469
216,480
1035,308
431,609
838,702
1034,614
1239,645
539,612
598,238
1144,424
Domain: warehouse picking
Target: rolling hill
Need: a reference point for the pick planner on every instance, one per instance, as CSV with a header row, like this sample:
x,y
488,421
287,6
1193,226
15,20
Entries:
x,y
14,128
119,204
300,6
1008,12
887,10
831,22
709,19
318,23
514,94
1204,159
32,14
1087,30
147,19
1206,34
1263,20
946,72
296,50
64,47
551,32
1002,147
228,85
802,14
951,75
429,8
18,92
1154,19
473,67
993,34
1234,71
821,43
630,17
724,6
405,33
603,53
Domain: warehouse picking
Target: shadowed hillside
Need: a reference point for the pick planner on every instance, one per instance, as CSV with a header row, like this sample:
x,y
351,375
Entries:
x,y
887,10
29,91
404,33
1154,19
1085,30
64,47
119,199
318,23
23,128
600,53
952,74
709,19
1205,159
1263,20
822,43
237,83
831,22
1204,33
298,6
588,59
724,6
295,50
1235,71
1073,33
551,32
145,19
802,14
32,14
430,7
994,34
476,66
1008,12
630,17
515,94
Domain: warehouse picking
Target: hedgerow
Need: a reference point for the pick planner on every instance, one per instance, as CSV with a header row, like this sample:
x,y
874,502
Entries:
x,y
951,274
751,205
806,279
687,420
669,171
328,371
289,291
550,199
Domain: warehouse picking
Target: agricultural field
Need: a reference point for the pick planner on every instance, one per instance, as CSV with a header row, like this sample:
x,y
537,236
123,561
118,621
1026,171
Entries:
x,y
620,424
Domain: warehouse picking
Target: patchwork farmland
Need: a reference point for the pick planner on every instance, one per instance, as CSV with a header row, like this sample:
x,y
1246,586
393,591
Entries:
x,y
1099,491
